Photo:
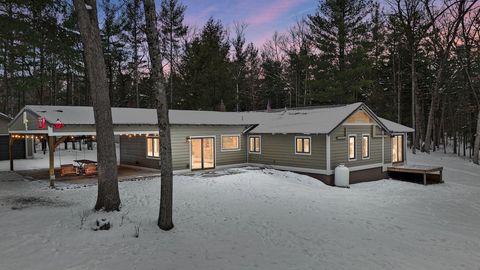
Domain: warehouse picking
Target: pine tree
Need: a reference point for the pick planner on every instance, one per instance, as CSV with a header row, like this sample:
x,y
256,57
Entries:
x,y
339,31
172,14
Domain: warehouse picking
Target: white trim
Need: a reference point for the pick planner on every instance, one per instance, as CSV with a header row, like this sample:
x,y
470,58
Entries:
x,y
248,144
354,147
383,151
45,132
295,145
359,124
153,150
239,165
231,150
329,166
294,169
366,158
365,167
214,150
386,165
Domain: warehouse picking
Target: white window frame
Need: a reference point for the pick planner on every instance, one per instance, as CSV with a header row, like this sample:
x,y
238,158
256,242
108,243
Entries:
x,y
146,143
231,150
369,144
295,145
260,144
402,145
354,148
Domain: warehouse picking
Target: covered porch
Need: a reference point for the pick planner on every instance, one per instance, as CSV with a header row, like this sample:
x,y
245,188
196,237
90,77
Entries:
x,y
52,128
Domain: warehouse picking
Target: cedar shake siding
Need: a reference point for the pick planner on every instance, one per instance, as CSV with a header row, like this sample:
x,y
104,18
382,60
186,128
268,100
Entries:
x,y
280,150
133,150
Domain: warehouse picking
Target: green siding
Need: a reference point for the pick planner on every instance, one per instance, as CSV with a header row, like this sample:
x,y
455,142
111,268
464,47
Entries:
x,y
280,150
133,150
339,146
3,126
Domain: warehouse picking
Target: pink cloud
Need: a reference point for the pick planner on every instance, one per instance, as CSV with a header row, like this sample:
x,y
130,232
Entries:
x,y
272,11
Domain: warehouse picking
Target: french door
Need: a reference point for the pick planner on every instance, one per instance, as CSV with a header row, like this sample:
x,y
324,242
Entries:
x,y
203,153
397,149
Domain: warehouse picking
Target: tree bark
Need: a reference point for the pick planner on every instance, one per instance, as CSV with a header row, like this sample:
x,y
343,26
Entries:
x,y
476,147
166,193
108,196
414,83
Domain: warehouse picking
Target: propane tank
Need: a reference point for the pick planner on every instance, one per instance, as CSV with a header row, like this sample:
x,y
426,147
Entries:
x,y
342,176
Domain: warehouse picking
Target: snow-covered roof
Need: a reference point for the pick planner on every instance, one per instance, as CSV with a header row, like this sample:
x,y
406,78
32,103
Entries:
x,y
5,116
77,115
322,120
395,127
315,121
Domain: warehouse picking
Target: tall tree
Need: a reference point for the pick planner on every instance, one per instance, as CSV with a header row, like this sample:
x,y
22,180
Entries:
x,y
134,37
239,60
443,36
206,69
108,196
411,17
339,31
172,14
166,194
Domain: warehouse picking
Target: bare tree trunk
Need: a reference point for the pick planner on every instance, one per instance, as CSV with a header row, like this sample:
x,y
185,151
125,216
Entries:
x,y
476,146
166,193
414,122
108,195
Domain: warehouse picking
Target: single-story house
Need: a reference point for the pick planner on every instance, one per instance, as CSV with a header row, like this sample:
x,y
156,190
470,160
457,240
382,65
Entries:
x,y
309,140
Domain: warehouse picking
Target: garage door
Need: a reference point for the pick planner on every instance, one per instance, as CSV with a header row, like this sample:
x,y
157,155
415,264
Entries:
x,y
18,148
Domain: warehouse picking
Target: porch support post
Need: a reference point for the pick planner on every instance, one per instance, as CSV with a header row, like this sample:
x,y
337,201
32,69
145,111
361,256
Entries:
x,y
51,157
424,178
328,157
10,151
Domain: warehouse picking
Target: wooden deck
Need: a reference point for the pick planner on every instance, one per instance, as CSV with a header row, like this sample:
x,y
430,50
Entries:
x,y
418,169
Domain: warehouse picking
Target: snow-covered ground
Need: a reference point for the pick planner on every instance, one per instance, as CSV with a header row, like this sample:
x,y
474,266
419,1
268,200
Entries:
x,y
249,219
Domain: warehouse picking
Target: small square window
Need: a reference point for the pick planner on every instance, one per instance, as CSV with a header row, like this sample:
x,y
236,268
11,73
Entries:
x,y
302,145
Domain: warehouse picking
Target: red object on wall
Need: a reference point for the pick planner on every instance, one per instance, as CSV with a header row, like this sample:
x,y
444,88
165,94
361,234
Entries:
x,y
58,124
41,123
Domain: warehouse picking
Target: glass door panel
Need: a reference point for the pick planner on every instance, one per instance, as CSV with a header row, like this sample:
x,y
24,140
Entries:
x,y
196,154
203,153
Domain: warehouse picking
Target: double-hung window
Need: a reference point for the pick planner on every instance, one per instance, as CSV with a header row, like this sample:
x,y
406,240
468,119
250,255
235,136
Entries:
x,y
153,147
352,152
302,145
365,146
254,144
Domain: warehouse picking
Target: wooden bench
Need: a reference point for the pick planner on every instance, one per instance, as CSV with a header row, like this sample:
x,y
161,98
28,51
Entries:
x,y
68,169
90,169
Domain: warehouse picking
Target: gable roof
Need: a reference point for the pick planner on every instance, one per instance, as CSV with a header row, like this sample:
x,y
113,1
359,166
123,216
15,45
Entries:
x,y
314,121
304,120
6,117
80,115
395,127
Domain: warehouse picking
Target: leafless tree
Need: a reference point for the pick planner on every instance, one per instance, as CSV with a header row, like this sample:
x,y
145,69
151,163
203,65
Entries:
x,y
166,194
108,196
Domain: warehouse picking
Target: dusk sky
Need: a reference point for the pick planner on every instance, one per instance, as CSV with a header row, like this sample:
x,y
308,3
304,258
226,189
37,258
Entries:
x,y
263,17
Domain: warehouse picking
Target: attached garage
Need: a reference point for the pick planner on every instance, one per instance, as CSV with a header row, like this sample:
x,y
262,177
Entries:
x,y
19,151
